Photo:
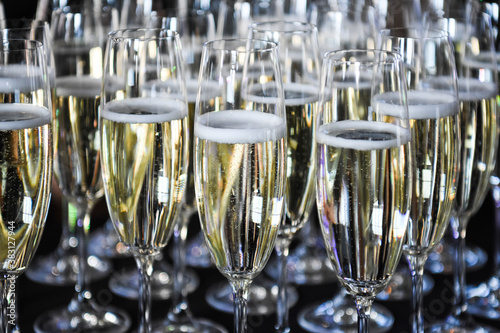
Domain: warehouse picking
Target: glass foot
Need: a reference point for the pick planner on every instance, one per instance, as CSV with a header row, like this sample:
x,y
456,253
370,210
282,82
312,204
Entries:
x,y
197,253
105,242
400,286
88,318
453,325
306,265
126,283
484,299
261,298
441,260
62,270
191,326
339,316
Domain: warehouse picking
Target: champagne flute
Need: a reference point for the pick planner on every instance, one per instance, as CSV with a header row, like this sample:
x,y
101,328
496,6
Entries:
x,y
363,169
240,144
471,33
144,116
78,41
299,60
59,267
341,28
433,109
26,163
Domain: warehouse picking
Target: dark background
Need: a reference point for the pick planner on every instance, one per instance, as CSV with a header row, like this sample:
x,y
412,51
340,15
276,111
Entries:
x,y
34,298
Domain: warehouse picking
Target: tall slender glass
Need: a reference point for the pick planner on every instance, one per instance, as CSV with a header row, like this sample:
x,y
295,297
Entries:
x,y
61,266
434,119
299,60
240,144
144,116
364,170
195,27
340,29
25,162
78,40
471,33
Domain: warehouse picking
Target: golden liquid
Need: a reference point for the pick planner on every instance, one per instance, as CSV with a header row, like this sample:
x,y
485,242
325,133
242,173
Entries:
x,y
479,135
26,174
240,186
435,151
364,190
76,140
144,152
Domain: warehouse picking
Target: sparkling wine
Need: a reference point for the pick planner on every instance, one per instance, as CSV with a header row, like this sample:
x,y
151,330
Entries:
x,y
144,151
240,186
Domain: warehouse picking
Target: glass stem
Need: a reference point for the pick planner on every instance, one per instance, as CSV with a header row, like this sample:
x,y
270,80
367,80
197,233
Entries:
x,y
496,259
363,307
81,228
8,321
65,241
179,311
416,264
459,283
282,250
145,266
240,296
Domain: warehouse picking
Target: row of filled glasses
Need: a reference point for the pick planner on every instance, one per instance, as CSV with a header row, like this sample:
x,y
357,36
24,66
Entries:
x,y
59,269
310,113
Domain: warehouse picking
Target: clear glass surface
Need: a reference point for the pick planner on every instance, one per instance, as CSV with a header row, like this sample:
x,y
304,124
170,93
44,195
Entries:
x,y
26,159
125,283
341,26
356,132
307,263
240,164
262,296
339,315
61,266
147,118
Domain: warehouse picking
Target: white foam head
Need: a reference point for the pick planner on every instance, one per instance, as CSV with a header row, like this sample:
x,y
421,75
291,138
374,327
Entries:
x,y
132,110
422,104
20,116
17,78
328,135
311,93
239,126
209,90
475,90
79,86
486,60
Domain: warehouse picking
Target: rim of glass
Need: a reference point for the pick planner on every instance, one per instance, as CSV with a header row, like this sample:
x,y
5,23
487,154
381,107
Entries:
x,y
283,26
332,55
240,45
421,33
142,34
29,44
